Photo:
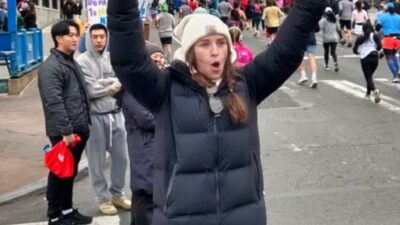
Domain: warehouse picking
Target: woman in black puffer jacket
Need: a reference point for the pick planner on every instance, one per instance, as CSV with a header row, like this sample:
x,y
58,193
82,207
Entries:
x,y
207,168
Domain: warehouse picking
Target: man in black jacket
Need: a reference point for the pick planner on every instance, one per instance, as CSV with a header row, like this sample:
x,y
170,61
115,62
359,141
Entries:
x,y
66,112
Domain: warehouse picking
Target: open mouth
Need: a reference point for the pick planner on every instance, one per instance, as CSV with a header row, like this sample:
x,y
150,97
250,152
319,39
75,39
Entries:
x,y
216,65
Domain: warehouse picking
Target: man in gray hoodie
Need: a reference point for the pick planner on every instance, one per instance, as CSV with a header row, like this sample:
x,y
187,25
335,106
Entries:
x,y
108,128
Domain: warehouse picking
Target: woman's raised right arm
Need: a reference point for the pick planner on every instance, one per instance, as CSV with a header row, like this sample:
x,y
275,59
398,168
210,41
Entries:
x,y
129,57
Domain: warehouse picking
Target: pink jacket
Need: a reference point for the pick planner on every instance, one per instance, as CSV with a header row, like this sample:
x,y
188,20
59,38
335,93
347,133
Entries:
x,y
244,54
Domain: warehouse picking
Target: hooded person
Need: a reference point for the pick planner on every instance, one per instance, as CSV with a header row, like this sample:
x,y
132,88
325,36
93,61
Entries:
x,y
107,128
207,167
139,124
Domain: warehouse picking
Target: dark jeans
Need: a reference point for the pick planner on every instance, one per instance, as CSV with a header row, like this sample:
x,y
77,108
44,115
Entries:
x,y
332,48
59,190
142,210
369,65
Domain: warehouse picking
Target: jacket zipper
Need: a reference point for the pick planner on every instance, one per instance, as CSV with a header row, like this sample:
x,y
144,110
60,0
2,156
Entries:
x,y
169,190
217,196
257,176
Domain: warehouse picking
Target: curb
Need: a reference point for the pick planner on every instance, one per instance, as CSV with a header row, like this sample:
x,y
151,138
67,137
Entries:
x,y
39,185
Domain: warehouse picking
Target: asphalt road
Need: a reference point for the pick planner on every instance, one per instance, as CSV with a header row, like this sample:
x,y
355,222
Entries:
x,y
329,156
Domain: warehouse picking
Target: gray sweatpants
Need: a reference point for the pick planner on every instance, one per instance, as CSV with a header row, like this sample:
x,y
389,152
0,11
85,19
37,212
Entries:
x,y
107,133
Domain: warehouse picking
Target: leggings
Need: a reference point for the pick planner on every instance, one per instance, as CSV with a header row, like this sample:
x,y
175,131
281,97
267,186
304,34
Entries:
x,y
369,65
332,47
256,22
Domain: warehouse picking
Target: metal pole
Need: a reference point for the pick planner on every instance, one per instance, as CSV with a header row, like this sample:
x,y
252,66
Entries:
x,y
12,15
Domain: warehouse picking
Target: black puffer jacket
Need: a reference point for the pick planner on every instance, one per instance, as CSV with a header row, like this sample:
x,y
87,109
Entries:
x,y
207,169
63,94
139,123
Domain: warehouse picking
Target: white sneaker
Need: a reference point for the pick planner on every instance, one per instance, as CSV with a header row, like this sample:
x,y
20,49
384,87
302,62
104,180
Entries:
x,y
327,68
121,202
107,208
303,80
376,95
314,84
367,97
395,80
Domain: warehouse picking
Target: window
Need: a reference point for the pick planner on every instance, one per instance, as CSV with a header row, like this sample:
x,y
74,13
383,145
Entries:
x,y
54,4
46,3
36,2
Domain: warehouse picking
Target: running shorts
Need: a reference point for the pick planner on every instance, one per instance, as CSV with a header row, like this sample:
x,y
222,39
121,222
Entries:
x,y
166,40
390,42
345,24
311,49
271,30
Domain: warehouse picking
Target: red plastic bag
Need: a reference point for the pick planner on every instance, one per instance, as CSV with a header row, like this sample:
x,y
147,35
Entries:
x,y
59,159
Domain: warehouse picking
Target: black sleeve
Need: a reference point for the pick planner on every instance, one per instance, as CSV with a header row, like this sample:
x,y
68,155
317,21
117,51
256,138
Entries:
x,y
129,57
357,43
272,67
378,42
144,119
317,28
378,27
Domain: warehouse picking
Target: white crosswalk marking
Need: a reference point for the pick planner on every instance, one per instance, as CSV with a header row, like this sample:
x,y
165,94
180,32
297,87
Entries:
x,y
359,92
339,56
101,220
388,82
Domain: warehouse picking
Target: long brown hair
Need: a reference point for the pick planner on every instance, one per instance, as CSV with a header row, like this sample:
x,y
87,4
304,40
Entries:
x,y
236,105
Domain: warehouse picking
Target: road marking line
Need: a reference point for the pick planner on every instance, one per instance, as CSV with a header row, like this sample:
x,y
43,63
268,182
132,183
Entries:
x,y
359,92
101,220
388,82
339,56
295,148
381,79
364,90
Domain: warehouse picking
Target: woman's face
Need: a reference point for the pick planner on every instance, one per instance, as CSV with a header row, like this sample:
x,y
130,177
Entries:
x,y
158,59
211,53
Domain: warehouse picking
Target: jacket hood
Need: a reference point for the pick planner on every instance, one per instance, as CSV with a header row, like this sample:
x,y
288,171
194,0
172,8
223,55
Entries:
x,y
88,42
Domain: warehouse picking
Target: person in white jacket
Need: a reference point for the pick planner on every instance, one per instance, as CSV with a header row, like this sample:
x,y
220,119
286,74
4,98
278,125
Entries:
x,y
107,122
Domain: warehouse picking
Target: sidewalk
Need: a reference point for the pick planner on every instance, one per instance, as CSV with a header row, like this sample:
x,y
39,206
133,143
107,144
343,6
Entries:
x,y
22,137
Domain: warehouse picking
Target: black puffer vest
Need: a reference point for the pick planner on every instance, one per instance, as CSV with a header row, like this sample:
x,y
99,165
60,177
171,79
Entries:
x,y
207,168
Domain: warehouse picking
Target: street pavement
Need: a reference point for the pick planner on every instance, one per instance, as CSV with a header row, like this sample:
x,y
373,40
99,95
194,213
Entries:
x,y
329,156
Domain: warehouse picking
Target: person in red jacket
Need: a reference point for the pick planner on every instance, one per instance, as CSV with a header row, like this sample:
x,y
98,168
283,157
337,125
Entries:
x,y
193,4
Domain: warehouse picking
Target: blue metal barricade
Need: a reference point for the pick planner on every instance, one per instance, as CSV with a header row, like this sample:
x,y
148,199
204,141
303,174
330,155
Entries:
x,y
26,46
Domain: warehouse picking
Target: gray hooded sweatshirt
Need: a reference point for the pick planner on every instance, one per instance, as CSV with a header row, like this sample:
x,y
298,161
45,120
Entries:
x,y
98,75
329,31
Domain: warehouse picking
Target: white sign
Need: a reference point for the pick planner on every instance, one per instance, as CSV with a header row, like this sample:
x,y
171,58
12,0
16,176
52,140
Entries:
x,y
144,7
97,10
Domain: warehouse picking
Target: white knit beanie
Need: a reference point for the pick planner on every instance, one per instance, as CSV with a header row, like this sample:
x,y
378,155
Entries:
x,y
195,26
